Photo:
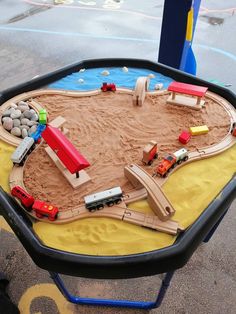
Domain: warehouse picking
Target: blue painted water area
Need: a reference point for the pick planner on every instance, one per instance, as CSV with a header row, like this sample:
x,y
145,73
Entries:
x,y
93,79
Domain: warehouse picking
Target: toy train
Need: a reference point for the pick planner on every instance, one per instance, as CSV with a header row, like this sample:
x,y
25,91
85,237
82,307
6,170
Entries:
x,y
41,209
99,200
37,135
20,154
171,161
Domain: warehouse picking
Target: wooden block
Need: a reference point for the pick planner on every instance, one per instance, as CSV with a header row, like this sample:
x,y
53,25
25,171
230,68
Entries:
x,y
71,178
199,130
57,122
189,102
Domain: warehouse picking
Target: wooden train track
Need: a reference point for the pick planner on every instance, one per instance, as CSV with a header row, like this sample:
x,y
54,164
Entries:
x,y
155,196
120,212
15,141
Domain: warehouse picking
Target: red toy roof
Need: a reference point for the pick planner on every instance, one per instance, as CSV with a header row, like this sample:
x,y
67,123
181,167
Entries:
x,y
188,89
64,149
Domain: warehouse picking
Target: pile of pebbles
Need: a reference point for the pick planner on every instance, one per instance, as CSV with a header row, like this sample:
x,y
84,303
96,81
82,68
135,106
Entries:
x,y
20,120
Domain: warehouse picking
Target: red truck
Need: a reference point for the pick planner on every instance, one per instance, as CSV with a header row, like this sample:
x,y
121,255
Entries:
x,y
108,87
150,153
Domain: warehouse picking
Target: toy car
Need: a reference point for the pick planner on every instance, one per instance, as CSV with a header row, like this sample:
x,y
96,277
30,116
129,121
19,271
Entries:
x,y
108,87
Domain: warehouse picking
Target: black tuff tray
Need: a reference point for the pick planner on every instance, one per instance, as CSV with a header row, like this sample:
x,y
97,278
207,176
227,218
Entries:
x,y
125,266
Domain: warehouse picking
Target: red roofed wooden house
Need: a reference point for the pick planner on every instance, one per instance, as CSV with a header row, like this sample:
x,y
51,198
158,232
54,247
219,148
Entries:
x,y
180,90
65,150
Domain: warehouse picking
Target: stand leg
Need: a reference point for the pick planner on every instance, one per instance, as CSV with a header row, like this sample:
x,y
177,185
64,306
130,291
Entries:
x,y
212,231
114,303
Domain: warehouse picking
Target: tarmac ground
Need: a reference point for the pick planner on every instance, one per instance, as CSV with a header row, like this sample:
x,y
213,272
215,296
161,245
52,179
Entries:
x,y
37,37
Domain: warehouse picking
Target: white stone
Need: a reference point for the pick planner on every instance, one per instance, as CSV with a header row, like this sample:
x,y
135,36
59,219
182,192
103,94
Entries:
x,y
32,111
16,114
125,69
24,133
105,73
6,113
81,81
22,103
34,117
16,122
27,114
151,75
31,123
8,124
32,130
24,127
22,108
12,105
16,131
158,86
81,70
24,121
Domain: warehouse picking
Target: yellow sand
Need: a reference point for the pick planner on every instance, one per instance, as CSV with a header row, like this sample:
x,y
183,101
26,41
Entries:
x,y
190,189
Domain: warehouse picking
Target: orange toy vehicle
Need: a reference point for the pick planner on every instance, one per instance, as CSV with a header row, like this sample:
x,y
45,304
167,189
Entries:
x,y
150,153
166,164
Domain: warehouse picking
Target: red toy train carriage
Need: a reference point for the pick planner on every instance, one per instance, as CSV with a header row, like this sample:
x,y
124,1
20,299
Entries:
x,y
41,208
25,198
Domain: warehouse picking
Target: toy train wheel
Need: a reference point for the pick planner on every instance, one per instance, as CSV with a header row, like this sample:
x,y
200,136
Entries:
x,y
155,156
100,206
109,204
150,162
118,201
185,158
93,209
179,161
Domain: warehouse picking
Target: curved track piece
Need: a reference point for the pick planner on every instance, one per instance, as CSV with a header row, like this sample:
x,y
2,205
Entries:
x,y
155,196
141,88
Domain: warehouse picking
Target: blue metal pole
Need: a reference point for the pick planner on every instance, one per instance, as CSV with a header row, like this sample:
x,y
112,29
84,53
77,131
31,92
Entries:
x,y
114,303
175,46
188,61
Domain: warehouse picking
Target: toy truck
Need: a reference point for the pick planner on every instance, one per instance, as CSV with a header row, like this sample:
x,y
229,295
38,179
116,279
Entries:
x,y
150,153
108,87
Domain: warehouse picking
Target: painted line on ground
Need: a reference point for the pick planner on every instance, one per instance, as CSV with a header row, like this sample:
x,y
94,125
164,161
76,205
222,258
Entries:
x,y
218,50
61,6
133,39
41,31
